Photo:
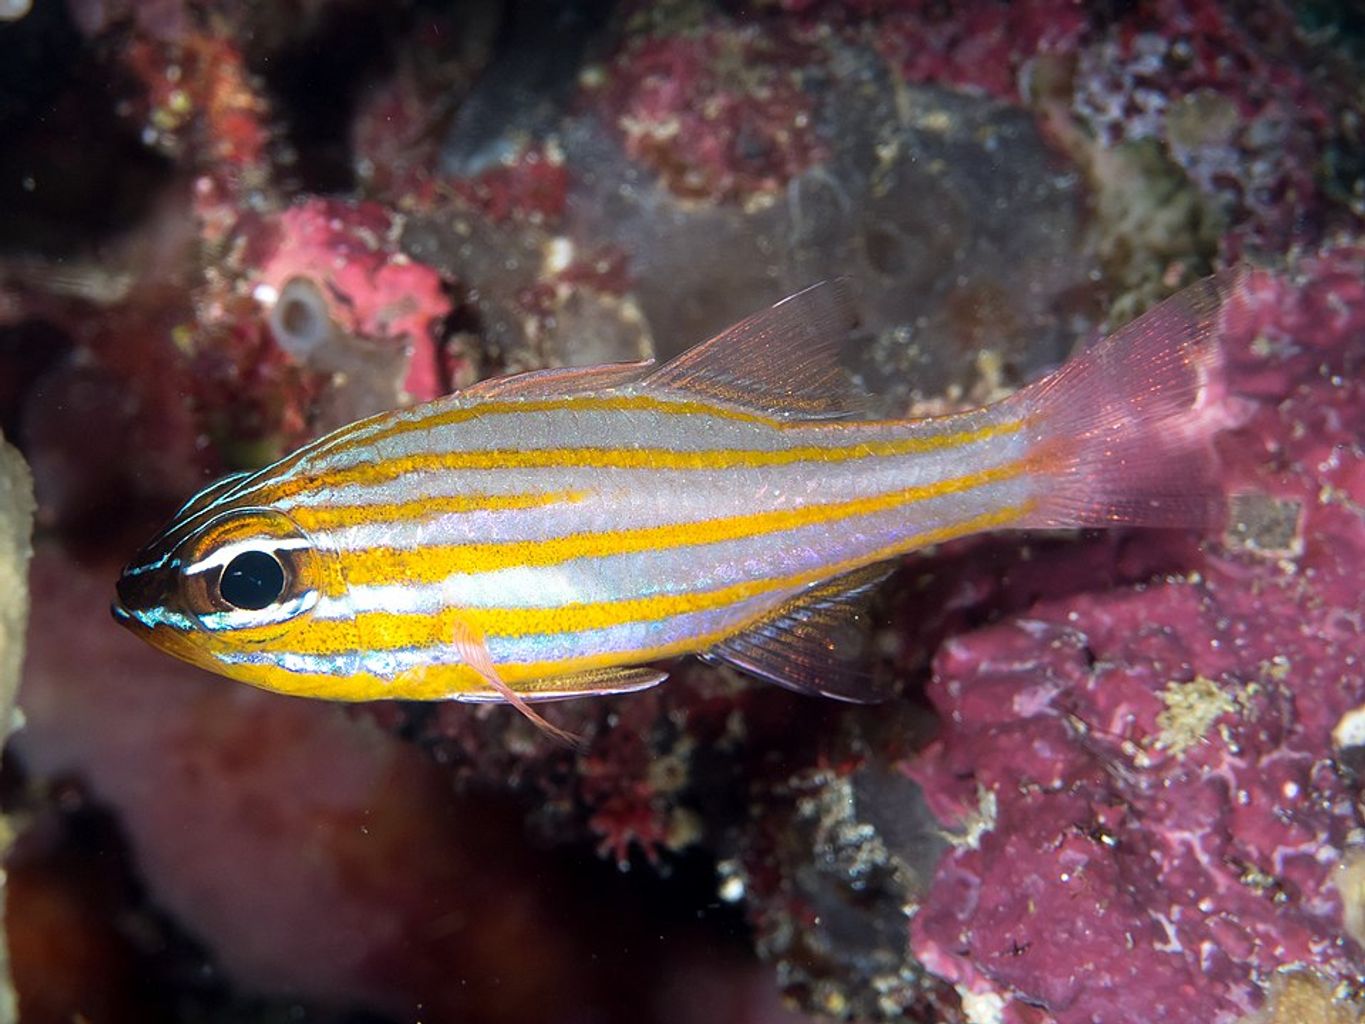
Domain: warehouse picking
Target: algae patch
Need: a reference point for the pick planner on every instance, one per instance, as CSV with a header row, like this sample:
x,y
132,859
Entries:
x,y
1191,710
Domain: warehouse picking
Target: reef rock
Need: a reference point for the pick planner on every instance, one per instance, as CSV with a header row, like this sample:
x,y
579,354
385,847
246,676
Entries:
x,y
16,528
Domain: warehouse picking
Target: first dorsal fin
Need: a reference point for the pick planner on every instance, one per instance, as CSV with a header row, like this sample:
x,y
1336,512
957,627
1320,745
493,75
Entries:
x,y
818,643
783,361
560,381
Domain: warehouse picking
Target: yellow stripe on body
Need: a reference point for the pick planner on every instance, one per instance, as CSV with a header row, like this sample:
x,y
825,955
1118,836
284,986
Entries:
x,y
574,403
429,564
333,517
547,669
631,458
393,630
597,403
452,680
353,437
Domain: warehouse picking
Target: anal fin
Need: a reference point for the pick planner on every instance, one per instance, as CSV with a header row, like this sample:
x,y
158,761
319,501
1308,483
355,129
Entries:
x,y
817,643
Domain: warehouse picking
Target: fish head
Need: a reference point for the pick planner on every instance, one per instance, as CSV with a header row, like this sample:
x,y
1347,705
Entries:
x,y
232,589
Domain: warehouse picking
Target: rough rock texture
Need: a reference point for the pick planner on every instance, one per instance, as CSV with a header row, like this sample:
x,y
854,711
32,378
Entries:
x,y
1162,754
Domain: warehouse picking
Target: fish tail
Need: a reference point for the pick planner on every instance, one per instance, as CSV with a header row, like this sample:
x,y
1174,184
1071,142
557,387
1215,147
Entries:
x,y
1123,434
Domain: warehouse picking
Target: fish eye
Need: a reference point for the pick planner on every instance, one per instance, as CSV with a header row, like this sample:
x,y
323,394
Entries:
x,y
249,569
252,581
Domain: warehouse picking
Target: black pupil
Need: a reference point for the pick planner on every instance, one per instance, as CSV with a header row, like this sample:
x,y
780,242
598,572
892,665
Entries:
x,y
253,580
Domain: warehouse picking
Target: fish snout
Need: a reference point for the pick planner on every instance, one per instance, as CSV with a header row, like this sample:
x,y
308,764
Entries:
x,y
141,594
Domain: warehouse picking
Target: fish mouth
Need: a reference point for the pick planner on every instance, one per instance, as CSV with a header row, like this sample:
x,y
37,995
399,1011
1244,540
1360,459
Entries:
x,y
135,593
126,617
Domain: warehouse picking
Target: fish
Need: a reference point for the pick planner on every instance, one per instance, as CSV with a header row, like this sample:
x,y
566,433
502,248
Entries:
x,y
562,532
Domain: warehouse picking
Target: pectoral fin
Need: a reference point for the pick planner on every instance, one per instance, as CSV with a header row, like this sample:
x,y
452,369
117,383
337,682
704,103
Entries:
x,y
474,653
818,643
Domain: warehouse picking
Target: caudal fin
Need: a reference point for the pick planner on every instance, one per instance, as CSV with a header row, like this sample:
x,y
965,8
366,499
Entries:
x,y
1124,431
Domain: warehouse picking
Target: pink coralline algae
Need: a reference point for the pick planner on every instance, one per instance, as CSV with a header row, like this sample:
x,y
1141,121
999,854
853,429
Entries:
x,y
532,187
354,288
717,114
348,277
198,101
310,316
210,95
1151,821
979,45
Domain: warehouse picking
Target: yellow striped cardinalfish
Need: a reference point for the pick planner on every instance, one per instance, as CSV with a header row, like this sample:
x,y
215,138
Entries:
x,y
552,533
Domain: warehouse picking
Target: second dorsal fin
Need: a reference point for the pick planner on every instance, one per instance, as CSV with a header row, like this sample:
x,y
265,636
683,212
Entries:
x,y
783,361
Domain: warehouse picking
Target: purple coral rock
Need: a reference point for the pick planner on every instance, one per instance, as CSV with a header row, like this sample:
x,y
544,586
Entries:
x,y
1151,820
